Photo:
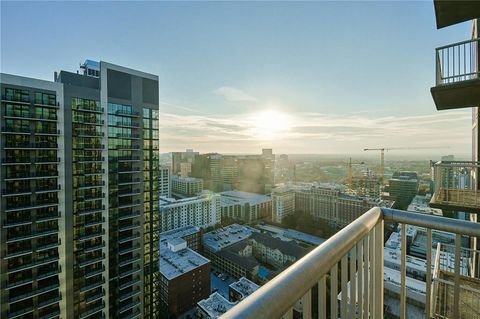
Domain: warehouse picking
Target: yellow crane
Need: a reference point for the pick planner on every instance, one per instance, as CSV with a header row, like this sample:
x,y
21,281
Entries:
x,y
350,177
382,155
382,160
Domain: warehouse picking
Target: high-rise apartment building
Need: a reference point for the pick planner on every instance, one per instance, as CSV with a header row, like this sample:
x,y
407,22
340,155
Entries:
x,y
165,186
402,187
33,204
248,173
84,150
182,162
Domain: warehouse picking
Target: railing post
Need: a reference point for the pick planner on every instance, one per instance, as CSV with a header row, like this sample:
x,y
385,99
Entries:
x,y
456,288
322,298
378,270
428,295
403,247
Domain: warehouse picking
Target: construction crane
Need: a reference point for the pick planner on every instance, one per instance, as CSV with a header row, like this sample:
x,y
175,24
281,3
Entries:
x,y
382,155
382,160
350,177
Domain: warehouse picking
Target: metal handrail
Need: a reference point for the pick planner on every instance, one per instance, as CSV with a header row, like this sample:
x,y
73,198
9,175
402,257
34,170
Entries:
x,y
278,295
457,62
457,43
275,298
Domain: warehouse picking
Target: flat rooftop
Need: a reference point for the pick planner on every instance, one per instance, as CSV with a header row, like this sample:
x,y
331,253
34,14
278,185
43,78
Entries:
x,y
186,179
244,286
215,305
172,202
237,197
174,264
179,232
225,236
290,234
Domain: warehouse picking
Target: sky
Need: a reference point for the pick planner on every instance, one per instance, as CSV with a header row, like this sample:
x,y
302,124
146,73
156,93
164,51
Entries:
x,y
235,77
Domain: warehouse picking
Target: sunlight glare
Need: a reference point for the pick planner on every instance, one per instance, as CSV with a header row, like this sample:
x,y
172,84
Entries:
x,y
269,124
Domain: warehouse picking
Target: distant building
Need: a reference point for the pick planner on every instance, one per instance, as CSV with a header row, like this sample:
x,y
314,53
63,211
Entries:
x,y
245,206
182,157
216,305
186,186
283,203
241,289
402,187
184,277
191,234
202,211
213,307
249,173
327,202
165,189
241,251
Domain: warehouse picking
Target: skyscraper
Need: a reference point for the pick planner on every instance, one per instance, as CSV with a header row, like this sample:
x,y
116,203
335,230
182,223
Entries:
x,y
96,136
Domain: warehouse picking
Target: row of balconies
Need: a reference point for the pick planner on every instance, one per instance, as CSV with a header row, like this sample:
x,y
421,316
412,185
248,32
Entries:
x,y
27,160
29,130
32,116
28,145
25,99
11,191
13,236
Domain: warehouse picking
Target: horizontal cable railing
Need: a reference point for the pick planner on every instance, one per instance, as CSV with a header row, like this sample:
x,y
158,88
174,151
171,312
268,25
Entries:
x,y
457,62
346,272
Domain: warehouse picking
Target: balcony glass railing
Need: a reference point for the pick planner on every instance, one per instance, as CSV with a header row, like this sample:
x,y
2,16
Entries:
x,y
456,186
354,258
457,62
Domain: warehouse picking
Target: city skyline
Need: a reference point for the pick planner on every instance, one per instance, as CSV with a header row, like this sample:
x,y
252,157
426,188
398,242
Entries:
x,y
267,78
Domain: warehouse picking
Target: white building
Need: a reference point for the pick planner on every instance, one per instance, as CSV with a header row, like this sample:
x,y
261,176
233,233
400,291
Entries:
x,y
164,180
245,206
202,211
186,186
283,203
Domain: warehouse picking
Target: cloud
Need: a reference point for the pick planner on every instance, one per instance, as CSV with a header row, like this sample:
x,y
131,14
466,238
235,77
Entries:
x,y
233,94
319,133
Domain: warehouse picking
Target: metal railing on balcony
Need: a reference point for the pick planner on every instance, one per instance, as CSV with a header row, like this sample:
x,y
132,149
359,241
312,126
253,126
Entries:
x,y
445,279
457,62
456,186
358,251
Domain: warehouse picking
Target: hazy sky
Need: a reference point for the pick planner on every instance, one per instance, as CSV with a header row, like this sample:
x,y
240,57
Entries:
x,y
316,77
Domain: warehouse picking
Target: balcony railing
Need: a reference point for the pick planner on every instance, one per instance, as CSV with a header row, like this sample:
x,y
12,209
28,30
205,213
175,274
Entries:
x,y
445,279
456,186
457,62
358,251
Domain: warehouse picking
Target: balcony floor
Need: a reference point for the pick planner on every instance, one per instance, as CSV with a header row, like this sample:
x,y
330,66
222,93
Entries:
x,y
462,200
457,95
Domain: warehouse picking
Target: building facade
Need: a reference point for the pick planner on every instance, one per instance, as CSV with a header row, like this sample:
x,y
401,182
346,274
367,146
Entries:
x,y
91,161
201,211
186,186
246,207
165,184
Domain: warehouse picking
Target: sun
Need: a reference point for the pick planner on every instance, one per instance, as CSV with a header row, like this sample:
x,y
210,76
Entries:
x,y
269,124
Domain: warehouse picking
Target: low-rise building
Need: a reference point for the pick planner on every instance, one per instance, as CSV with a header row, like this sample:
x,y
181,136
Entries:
x,y
244,206
216,305
242,252
326,202
191,234
213,307
241,289
201,211
184,277
186,186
